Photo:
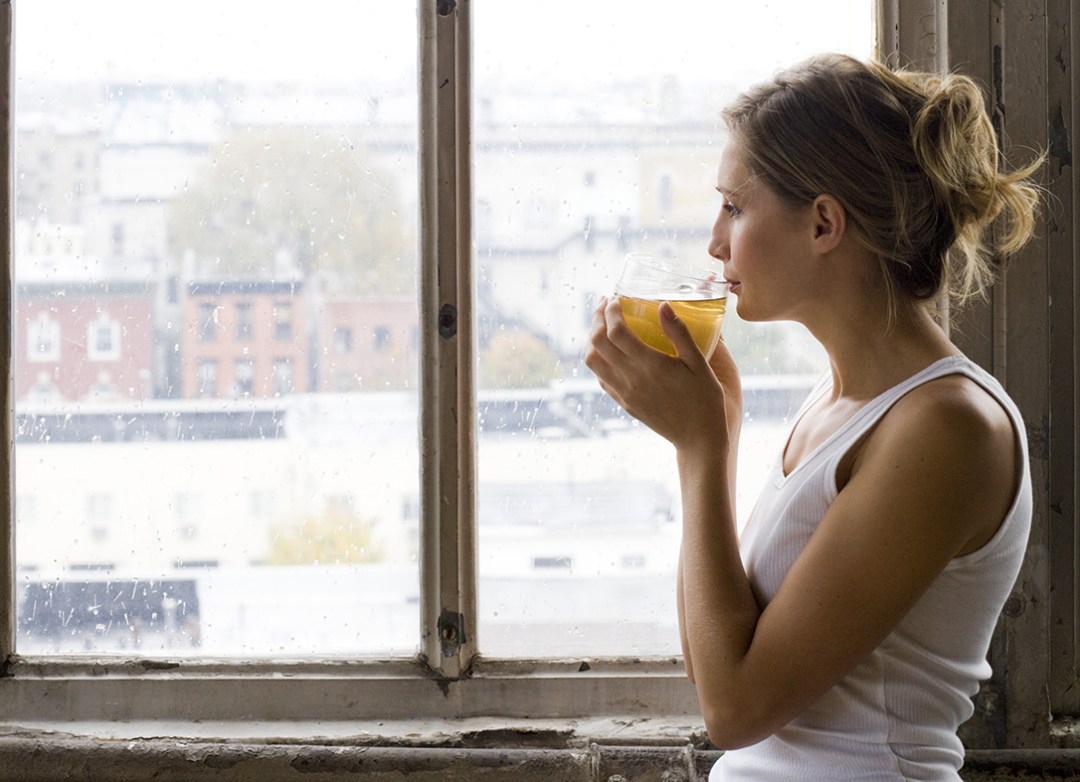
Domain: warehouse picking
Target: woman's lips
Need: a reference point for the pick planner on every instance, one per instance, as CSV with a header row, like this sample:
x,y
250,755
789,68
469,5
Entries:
x,y
733,285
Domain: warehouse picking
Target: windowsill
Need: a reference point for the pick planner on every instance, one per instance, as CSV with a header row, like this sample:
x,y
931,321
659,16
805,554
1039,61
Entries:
x,y
470,733
509,720
577,750
189,692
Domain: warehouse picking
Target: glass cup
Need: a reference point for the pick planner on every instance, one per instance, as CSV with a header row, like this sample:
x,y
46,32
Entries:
x,y
698,296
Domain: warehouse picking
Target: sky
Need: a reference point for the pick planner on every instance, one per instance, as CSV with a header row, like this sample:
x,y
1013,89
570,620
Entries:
x,y
554,40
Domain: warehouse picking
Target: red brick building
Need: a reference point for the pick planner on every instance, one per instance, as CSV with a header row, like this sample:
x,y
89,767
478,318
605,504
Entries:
x,y
84,340
244,339
367,344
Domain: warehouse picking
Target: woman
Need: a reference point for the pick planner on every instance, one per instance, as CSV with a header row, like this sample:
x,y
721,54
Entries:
x,y
844,635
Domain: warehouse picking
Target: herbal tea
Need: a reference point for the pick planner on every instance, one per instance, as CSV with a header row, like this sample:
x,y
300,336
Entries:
x,y
702,316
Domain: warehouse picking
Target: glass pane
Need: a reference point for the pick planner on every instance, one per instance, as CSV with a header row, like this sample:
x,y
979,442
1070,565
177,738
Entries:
x,y
598,134
215,328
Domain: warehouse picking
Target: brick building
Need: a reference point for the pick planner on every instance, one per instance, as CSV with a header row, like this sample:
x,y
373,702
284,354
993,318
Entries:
x,y
367,344
244,338
84,340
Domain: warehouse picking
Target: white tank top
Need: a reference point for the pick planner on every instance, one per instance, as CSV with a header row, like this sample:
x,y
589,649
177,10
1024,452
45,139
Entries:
x,y
896,714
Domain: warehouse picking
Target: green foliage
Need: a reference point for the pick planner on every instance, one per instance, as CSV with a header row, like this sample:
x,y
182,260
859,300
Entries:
x,y
298,196
337,537
517,359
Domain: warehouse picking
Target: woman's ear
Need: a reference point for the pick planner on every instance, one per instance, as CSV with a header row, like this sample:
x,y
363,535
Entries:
x,y
829,221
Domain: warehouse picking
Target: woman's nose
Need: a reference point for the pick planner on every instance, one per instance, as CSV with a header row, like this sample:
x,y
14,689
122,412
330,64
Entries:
x,y
718,243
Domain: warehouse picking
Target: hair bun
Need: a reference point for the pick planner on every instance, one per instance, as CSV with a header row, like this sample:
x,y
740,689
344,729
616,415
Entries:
x,y
956,145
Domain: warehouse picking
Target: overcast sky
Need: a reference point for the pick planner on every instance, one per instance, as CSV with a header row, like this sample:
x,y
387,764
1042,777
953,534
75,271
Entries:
x,y
593,40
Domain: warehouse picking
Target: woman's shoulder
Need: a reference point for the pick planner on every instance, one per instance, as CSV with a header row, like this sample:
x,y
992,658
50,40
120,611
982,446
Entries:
x,y
956,434
954,405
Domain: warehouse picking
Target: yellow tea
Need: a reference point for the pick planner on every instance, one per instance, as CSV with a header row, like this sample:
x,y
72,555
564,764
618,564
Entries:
x,y
702,316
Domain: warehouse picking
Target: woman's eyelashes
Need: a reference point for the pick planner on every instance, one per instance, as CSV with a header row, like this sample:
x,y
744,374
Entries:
x,y
725,203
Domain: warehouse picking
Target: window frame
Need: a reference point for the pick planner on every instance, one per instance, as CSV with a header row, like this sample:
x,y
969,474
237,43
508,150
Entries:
x,y
448,679
42,325
94,351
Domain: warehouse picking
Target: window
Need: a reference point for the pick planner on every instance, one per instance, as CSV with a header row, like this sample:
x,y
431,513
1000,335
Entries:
x,y
391,577
219,178
283,376
283,321
118,239
43,338
207,377
103,339
244,382
189,515
98,516
245,323
342,340
208,321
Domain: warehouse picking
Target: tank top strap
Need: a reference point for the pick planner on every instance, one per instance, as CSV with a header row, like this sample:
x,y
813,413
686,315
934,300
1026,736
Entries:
x,y
870,413
873,410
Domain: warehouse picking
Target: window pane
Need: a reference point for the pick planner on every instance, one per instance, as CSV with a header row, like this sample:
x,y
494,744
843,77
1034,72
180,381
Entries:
x,y
215,359
603,143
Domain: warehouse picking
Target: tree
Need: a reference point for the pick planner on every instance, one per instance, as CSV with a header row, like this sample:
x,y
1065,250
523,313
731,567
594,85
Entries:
x,y
271,202
337,537
517,359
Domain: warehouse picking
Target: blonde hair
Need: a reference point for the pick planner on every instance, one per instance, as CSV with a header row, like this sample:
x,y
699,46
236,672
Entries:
x,y
913,158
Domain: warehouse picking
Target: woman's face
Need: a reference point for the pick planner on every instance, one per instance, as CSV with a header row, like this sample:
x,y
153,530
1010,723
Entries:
x,y
763,243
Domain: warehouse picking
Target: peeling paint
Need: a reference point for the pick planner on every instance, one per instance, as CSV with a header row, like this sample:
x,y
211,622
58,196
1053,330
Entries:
x,y
1060,151
1039,438
997,116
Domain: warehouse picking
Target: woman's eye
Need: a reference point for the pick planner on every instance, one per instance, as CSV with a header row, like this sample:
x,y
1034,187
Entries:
x,y
731,209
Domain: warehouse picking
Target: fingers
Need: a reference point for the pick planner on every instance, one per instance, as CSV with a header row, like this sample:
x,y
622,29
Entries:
x,y
600,348
611,336
675,329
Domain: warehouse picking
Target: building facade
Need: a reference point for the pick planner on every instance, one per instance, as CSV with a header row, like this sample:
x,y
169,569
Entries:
x,y
85,340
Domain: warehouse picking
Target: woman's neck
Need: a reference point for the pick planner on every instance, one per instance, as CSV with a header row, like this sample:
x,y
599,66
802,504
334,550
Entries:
x,y
870,352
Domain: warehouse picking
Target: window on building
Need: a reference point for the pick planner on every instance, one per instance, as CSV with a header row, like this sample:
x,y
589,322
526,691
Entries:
x,y
245,321
283,321
208,325
282,379
43,338
380,338
103,338
343,339
206,377
189,514
118,239
99,509
244,380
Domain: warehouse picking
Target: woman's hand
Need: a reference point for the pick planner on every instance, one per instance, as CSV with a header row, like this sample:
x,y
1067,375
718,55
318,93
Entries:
x,y
682,398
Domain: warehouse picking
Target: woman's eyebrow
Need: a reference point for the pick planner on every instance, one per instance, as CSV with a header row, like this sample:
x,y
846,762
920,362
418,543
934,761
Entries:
x,y
727,190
